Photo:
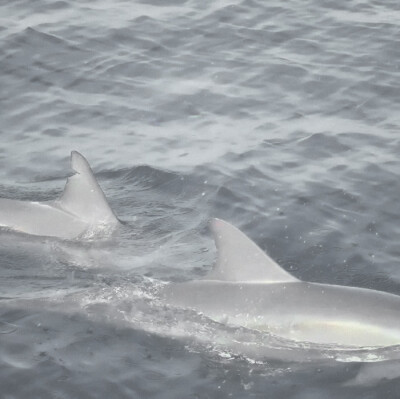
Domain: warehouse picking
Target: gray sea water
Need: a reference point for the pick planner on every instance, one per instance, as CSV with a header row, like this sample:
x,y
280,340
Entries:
x,y
281,117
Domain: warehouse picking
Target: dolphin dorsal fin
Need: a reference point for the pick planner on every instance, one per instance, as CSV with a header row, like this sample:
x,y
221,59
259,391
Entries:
x,y
240,259
83,197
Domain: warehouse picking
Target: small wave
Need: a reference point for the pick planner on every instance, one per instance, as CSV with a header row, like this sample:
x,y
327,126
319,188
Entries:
x,y
7,328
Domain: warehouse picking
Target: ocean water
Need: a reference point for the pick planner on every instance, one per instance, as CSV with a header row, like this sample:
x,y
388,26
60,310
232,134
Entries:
x,y
279,117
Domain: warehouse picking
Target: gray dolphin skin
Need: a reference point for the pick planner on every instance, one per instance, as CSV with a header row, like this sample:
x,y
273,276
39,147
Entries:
x,y
81,207
247,288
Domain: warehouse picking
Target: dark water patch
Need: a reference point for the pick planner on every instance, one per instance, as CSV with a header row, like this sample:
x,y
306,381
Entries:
x,y
83,350
321,145
135,70
47,50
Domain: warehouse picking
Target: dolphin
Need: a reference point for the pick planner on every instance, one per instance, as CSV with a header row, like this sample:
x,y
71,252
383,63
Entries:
x,y
247,288
82,208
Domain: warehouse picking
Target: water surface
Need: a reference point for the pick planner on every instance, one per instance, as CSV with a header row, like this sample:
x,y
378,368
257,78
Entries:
x,y
280,117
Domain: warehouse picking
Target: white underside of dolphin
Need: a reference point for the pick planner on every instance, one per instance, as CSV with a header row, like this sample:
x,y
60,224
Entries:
x,y
247,288
81,208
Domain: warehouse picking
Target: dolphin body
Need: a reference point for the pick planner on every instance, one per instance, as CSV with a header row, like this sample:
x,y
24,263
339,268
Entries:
x,y
247,288
82,207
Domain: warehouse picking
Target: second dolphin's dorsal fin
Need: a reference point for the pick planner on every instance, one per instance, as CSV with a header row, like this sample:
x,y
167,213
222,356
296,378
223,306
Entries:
x,y
83,197
240,259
